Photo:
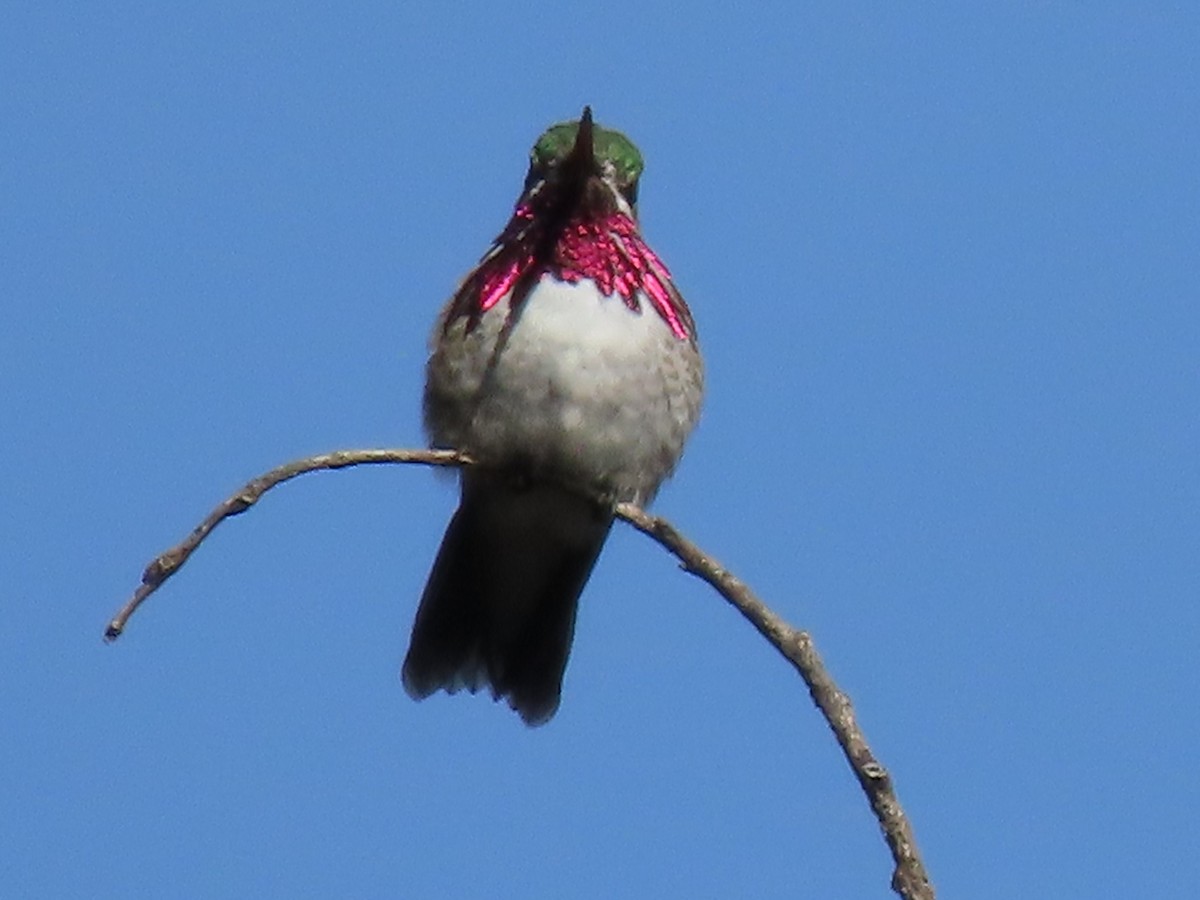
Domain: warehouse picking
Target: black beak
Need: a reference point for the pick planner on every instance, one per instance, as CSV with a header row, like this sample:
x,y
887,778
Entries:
x,y
581,161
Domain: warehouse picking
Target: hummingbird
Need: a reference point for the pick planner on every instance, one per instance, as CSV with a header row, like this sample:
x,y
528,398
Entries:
x,y
566,366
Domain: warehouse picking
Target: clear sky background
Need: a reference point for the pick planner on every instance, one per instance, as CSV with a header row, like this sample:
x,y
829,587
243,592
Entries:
x,y
944,263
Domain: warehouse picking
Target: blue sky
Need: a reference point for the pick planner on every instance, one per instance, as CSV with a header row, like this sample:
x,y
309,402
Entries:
x,y
943,262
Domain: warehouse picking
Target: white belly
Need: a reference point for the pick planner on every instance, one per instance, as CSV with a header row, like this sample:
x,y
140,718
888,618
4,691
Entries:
x,y
575,386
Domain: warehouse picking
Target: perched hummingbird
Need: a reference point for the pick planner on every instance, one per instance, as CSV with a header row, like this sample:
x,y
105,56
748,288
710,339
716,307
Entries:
x,y
567,366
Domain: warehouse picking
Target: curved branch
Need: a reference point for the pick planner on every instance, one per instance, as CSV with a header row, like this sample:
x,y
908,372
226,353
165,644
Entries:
x,y
909,879
167,564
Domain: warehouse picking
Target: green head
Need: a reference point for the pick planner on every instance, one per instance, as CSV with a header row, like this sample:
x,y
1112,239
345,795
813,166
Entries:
x,y
582,146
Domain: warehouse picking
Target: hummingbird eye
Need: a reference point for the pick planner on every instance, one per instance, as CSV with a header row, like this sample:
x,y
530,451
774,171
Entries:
x,y
630,193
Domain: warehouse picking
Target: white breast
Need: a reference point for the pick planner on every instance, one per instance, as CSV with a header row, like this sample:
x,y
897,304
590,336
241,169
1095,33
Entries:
x,y
575,384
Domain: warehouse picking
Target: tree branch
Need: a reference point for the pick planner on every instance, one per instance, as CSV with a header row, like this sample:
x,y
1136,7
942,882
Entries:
x,y
909,879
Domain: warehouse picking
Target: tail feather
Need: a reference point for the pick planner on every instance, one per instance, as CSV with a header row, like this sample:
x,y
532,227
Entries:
x,y
499,606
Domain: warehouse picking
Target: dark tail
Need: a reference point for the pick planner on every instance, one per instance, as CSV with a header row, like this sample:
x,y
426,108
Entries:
x,y
499,606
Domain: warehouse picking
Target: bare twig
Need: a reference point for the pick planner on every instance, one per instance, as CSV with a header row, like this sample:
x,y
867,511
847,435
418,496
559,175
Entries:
x,y
909,879
170,562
